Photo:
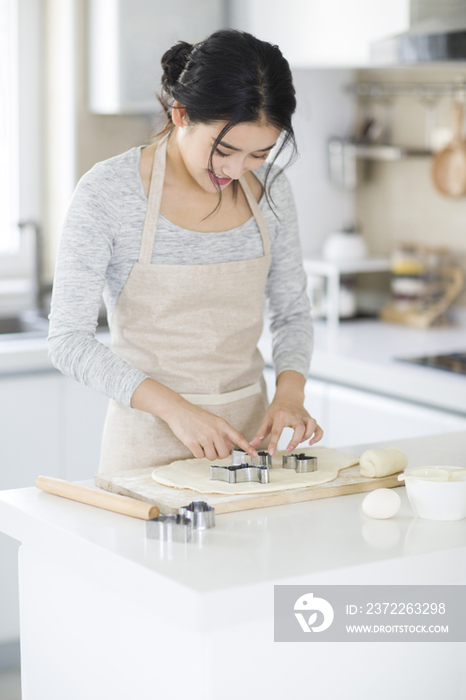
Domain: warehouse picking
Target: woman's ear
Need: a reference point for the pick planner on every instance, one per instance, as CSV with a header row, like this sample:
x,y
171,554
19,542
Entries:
x,y
178,114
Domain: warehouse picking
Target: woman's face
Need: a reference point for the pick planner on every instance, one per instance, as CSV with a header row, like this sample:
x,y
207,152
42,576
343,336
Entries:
x,y
245,147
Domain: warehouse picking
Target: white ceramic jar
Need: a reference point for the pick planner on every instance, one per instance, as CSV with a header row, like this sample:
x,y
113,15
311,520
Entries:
x,y
347,244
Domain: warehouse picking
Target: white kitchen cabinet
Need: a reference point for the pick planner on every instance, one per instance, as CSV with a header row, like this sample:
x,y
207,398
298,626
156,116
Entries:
x,y
30,441
315,398
84,412
356,417
30,436
51,425
312,33
127,39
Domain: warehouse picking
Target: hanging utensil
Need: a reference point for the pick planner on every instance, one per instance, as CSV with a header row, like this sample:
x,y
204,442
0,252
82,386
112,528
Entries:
x,y
449,165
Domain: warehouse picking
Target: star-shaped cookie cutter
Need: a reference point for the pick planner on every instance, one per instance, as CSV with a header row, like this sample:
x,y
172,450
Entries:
x,y
302,463
239,473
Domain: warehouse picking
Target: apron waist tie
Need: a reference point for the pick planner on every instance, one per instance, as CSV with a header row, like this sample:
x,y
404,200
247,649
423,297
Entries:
x,y
227,397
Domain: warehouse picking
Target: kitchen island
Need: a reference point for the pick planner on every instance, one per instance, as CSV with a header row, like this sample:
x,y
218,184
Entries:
x,y
107,613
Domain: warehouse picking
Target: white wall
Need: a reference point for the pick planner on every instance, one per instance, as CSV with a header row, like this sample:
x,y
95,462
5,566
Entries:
x,y
324,110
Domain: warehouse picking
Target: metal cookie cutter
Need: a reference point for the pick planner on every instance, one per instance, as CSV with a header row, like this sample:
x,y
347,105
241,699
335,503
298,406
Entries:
x,y
300,463
169,528
263,460
238,473
240,457
201,515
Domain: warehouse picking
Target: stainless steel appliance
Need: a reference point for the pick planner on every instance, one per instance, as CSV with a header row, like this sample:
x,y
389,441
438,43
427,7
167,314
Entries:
x,y
437,33
452,362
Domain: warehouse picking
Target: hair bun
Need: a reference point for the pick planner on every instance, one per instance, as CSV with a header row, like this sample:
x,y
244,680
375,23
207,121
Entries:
x,y
174,62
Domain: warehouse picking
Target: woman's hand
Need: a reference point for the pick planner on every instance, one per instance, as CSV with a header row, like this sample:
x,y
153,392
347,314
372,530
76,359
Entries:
x,y
205,434
287,411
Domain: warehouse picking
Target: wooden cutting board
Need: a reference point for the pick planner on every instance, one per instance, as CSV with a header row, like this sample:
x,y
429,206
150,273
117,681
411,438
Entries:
x,y
140,484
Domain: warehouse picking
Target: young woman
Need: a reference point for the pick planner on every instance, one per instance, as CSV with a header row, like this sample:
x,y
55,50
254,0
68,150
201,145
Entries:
x,y
185,238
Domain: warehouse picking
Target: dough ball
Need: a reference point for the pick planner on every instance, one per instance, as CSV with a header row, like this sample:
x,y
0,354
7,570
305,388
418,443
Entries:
x,y
381,504
377,463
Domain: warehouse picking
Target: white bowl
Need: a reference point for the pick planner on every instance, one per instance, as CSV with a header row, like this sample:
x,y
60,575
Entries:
x,y
436,493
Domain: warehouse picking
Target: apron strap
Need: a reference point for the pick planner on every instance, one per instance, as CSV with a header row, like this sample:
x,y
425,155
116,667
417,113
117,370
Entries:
x,y
257,213
155,198
153,204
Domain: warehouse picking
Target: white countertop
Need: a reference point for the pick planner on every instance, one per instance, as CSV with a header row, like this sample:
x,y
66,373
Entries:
x,y
324,541
362,354
23,355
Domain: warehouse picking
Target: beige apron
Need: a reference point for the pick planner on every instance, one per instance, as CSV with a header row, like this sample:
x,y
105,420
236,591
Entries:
x,y
193,328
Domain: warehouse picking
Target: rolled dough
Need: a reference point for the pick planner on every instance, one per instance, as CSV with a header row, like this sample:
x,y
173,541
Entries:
x,y
377,463
194,474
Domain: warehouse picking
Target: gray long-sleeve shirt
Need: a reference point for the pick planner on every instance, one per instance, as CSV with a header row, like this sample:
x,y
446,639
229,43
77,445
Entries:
x,y
100,243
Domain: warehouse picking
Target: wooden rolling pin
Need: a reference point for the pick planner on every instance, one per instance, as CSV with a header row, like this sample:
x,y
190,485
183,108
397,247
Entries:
x,y
101,499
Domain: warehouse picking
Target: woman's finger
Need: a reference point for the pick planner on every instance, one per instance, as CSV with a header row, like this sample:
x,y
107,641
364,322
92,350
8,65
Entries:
x,y
277,429
241,442
210,452
311,426
222,447
318,435
229,445
262,433
196,449
298,436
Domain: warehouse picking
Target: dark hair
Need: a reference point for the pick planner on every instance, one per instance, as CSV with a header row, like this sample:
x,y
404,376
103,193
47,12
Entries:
x,y
231,76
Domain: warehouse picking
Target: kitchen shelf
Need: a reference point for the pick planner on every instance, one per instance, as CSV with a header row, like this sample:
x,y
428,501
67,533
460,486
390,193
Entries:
x,y
333,271
319,266
423,91
377,151
344,153
388,152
